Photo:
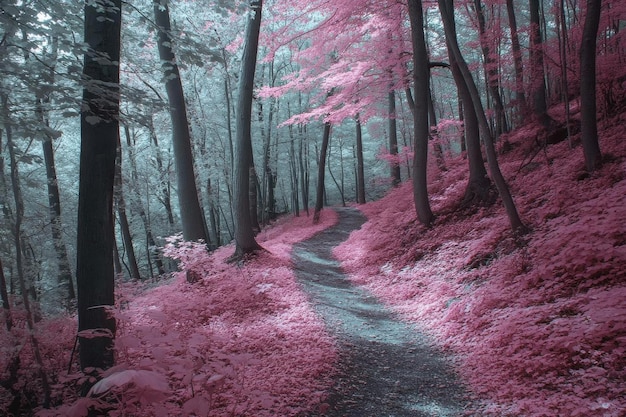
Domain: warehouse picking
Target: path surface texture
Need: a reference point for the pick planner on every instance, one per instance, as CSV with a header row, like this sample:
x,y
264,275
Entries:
x,y
387,367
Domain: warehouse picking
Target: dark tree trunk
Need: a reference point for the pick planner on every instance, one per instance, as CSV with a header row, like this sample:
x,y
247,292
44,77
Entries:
x,y
95,234
123,218
64,277
420,114
446,8
537,78
478,184
191,215
6,304
244,167
520,95
588,121
393,139
491,72
138,205
321,171
303,163
165,197
360,170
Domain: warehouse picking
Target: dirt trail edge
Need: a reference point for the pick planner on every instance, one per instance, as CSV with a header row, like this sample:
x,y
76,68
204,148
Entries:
x,y
387,367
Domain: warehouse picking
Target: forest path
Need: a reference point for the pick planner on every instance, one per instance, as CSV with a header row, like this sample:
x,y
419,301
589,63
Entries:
x,y
387,368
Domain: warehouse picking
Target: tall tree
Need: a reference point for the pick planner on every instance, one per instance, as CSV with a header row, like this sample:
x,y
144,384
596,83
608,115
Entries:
x,y
420,114
446,8
520,96
538,75
191,215
588,123
321,171
393,138
244,233
360,169
478,184
491,70
99,138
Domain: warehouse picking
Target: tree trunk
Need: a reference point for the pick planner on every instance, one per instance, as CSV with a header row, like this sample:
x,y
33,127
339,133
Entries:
x,y
360,170
64,277
491,72
588,116
123,219
478,184
138,205
165,197
244,167
520,95
95,234
393,139
446,8
537,78
321,171
6,304
420,114
191,215
303,163
19,258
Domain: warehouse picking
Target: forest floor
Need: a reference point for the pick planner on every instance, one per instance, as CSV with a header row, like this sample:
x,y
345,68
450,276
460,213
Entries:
x,y
386,366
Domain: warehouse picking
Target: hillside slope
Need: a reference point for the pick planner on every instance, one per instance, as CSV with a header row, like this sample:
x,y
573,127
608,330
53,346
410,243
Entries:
x,y
538,322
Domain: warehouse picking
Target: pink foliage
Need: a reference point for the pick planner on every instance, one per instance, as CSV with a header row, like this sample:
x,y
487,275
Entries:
x,y
538,328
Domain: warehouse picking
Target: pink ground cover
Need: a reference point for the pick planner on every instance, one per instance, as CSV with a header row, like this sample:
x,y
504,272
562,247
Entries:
x,y
243,340
538,324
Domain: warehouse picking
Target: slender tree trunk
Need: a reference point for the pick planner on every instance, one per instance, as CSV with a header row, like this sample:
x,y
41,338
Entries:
x,y
6,304
562,31
123,218
447,12
588,111
303,163
19,259
95,234
478,184
191,215
520,95
360,169
244,167
165,197
64,277
393,139
321,171
538,76
420,114
137,204
491,72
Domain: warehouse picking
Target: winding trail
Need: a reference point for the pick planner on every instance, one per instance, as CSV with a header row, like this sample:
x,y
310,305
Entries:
x,y
387,368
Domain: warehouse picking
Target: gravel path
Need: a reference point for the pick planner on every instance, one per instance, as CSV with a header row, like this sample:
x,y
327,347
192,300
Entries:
x,y
387,368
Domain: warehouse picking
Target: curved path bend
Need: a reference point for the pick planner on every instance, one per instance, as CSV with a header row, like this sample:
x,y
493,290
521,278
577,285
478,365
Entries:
x,y
387,368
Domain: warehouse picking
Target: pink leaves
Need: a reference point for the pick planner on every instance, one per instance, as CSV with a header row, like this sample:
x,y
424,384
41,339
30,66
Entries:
x,y
538,329
142,385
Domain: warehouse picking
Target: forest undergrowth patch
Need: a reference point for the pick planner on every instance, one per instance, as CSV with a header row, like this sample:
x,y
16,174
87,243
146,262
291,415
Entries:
x,y
241,340
538,325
